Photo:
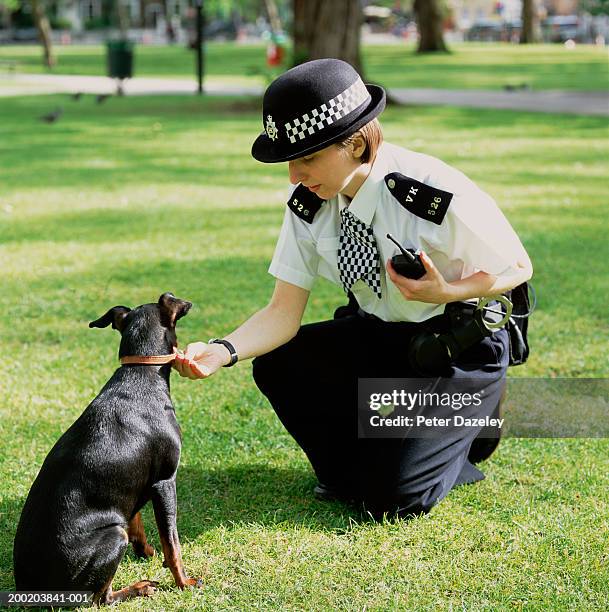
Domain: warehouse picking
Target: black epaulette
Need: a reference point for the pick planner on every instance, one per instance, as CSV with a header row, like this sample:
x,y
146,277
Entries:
x,y
420,199
304,203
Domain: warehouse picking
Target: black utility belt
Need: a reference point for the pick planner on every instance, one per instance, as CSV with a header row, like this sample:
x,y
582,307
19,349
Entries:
x,y
430,352
439,341
444,337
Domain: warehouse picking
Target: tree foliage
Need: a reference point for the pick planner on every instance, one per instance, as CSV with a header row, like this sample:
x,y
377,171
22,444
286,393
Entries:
x,y
247,10
595,7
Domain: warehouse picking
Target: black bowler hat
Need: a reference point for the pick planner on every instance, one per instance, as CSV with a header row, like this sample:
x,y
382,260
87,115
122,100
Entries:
x,y
313,105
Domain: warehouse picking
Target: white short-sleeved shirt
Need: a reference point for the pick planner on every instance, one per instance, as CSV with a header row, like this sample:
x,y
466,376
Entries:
x,y
474,234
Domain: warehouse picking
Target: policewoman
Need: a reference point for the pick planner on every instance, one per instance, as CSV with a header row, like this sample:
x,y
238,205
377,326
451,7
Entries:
x,y
349,190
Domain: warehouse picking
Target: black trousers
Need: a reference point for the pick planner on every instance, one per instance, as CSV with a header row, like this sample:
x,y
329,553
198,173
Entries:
x,y
312,380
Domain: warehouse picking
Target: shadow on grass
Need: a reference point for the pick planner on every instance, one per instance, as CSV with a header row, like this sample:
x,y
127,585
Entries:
x,y
207,500
254,493
129,140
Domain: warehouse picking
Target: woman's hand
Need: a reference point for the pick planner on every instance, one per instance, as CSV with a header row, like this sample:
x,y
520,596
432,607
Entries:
x,y
430,288
201,360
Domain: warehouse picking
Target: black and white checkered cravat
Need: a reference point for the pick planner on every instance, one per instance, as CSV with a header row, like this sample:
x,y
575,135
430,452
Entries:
x,y
358,256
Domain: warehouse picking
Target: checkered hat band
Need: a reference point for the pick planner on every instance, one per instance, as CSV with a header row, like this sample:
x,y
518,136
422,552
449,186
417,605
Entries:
x,y
318,118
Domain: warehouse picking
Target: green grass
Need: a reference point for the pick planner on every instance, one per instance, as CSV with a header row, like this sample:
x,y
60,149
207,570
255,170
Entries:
x,y
118,203
469,66
491,66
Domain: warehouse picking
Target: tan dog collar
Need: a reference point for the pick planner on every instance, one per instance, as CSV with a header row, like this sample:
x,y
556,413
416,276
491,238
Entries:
x,y
149,359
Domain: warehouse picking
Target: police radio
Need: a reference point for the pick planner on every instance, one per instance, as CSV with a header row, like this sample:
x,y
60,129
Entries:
x,y
431,352
407,263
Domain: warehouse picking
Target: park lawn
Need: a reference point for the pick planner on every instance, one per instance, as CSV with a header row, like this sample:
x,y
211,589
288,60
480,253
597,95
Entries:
x,y
117,203
469,66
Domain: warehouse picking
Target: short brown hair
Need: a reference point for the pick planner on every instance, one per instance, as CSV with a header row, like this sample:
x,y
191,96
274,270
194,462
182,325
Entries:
x,y
373,137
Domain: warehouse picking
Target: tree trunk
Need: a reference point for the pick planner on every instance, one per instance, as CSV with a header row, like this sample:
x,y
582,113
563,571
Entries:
x,y
429,16
531,32
122,15
273,15
5,17
169,31
44,32
328,29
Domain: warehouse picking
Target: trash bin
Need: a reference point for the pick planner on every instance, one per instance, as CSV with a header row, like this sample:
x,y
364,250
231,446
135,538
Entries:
x,y
120,59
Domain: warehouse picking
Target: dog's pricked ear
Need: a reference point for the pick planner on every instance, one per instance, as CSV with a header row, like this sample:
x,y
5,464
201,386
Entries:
x,y
172,309
115,315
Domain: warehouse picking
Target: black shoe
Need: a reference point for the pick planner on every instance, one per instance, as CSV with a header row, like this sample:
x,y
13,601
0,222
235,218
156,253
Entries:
x,y
326,493
482,448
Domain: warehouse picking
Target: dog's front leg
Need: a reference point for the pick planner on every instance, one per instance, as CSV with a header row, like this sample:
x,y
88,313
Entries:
x,y
164,502
137,537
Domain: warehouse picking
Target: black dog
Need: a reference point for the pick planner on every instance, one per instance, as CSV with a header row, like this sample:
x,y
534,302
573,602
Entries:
x,y
84,506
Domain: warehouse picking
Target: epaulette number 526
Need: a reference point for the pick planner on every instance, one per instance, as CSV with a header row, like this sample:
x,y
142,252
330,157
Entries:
x,y
434,206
